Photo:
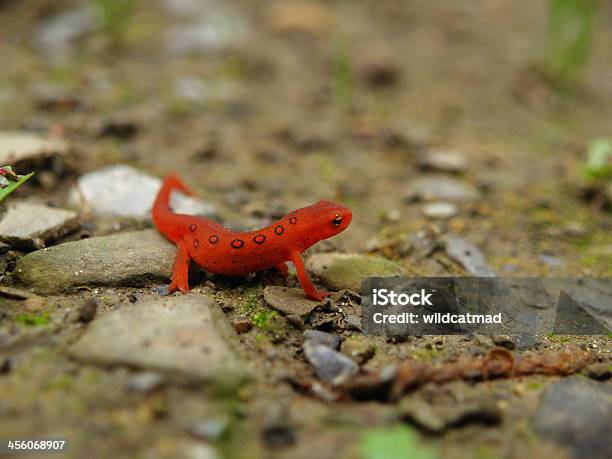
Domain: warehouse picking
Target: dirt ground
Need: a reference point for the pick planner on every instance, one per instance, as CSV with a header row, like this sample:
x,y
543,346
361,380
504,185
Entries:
x,y
276,111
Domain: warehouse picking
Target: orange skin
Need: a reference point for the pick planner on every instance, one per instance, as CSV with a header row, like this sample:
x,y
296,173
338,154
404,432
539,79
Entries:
x,y
222,251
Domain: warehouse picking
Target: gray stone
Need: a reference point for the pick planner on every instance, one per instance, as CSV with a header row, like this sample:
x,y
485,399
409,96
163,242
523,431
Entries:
x,y
57,34
125,191
468,256
577,413
347,270
209,429
213,34
551,260
289,301
16,146
326,339
433,188
444,161
145,382
127,259
183,335
30,226
440,210
331,366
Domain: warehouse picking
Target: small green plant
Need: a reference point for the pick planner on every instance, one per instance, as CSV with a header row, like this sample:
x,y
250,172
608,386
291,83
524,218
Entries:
x,y
10,181
399,442
570,36
263,319
33,319
114,17
343,75
599,161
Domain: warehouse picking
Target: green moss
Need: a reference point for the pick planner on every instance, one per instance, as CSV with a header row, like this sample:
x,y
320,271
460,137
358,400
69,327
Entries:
x,y
425,355
33,319
265,319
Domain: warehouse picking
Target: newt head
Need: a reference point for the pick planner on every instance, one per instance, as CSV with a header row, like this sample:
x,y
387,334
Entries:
x,y
322,220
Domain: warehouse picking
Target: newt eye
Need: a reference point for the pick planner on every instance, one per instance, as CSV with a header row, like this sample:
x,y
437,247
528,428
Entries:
x,y
337,220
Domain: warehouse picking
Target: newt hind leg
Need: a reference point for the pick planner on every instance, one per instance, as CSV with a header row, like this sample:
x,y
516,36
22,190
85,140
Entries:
x,y
180,270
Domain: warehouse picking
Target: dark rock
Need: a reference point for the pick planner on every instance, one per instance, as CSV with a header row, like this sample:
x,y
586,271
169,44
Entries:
x,y
86,312
125,130
601,371
577,413
526,341
242,325
326,339
5,366
296,321
503,341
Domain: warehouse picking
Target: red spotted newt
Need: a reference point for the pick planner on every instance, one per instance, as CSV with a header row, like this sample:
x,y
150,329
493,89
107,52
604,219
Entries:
x,y
221,251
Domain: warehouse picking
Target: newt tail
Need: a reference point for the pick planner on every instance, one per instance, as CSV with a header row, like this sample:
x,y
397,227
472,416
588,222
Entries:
x,y
221,251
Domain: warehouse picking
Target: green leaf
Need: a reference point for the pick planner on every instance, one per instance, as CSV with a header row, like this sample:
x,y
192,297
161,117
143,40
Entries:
x,y
396,442
4,192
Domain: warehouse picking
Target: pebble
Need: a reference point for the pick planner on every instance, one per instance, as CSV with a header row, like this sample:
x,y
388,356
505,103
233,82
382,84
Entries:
x,y
242,325
300,17
209,429
347,270
185,335
503,341
444,161
215,33
330,366
145,382
551,260
16,146
35,304
377,66
440,188
289,301
28,226
440,210
353,321
136,258
87,310
125,191
468,256
57,34
576,412
296,321
326,339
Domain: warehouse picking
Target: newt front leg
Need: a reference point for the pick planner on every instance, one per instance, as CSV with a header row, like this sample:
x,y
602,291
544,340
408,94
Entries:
x,y
180,270
305,282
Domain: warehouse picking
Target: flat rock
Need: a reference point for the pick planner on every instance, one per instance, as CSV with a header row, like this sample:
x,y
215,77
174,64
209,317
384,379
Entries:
x,y
125,191
347,270
133,258
577,413
183,335
289,301
18,146
444,161
30,226
434,188
468,256
440,210
330,366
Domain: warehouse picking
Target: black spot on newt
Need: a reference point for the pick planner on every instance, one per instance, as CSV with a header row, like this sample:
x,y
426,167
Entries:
x,y
259,239
213,239
193,227
196,243
279,230
237,243
293,220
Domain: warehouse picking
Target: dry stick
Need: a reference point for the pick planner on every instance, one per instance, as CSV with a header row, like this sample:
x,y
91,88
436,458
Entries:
x,y
498,363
